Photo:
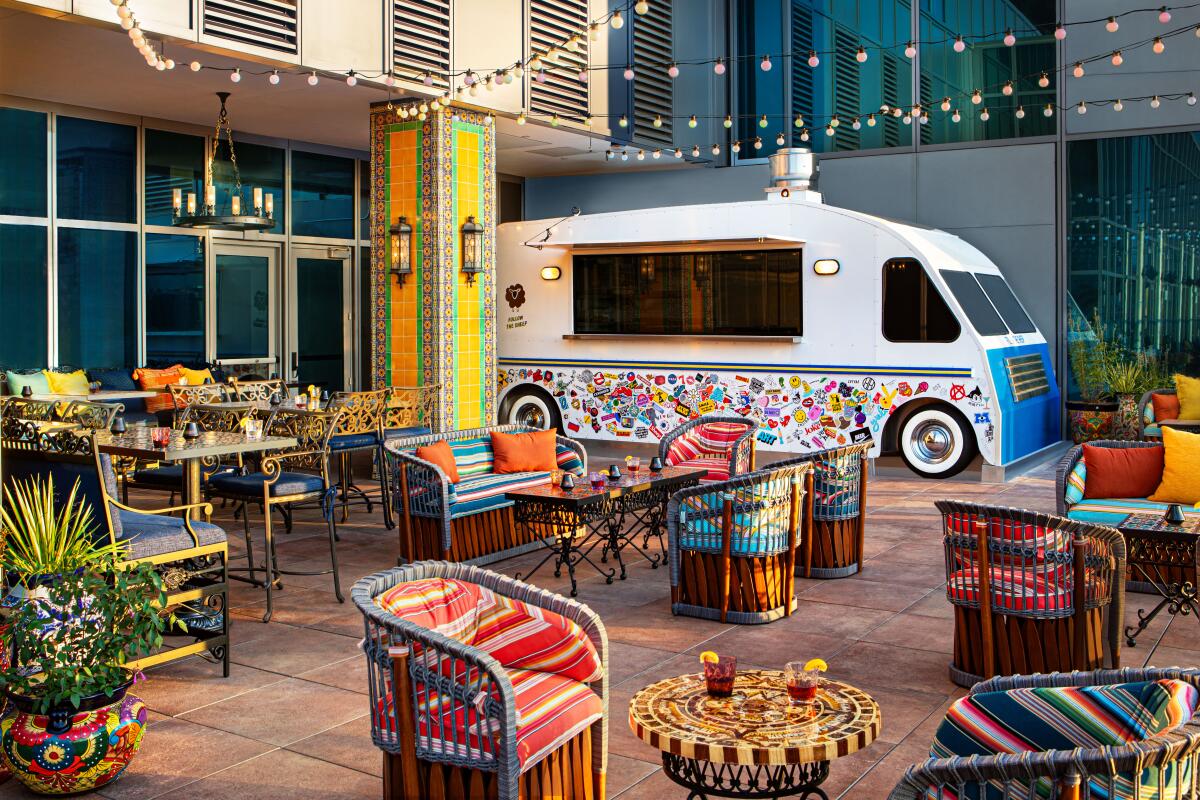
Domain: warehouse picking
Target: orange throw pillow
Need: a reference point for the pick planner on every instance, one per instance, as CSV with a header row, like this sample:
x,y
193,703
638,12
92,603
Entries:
x,y
158,379
1166,406
1122,472
442,454
525,452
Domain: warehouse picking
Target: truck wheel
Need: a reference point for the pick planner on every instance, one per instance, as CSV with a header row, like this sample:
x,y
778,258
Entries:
x,y
531,408
935,443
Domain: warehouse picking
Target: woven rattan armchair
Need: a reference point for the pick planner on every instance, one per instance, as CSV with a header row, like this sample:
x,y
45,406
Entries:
x,y
1150,431
732,545
405,659
1097,772
1033,599
839,518
1073,457
721,443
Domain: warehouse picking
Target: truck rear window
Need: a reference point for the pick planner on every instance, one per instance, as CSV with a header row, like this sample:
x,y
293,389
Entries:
x,y
975,304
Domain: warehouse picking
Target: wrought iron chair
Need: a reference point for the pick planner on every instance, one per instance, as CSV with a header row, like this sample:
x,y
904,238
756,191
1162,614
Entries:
x,y
445,711
28,409
1030,590
409,411
295,474
191,555
721,443
254,390
185,396
839,498
360,429
1159,766
732,545
93,416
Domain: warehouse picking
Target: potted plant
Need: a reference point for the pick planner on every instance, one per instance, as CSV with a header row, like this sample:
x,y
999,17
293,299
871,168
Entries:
x,y
1129,376
46,539
75,726
1091,416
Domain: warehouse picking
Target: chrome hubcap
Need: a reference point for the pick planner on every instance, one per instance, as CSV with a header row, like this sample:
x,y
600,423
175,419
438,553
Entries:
x,y
932,442
530,416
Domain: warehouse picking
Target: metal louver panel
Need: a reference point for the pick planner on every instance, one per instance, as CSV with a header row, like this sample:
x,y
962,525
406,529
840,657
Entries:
x,y
652,87
421,39
270,24
802,73
846,88
551,24
1027,376
891,86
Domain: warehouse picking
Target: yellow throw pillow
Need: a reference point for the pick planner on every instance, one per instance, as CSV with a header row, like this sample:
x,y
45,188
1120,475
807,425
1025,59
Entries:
x,y
1188,391
1181,478
195,377
67,382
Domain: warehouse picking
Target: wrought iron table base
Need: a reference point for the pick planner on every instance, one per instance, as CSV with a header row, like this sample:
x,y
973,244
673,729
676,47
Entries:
x,y
566,548
646,522
704,779
1177,598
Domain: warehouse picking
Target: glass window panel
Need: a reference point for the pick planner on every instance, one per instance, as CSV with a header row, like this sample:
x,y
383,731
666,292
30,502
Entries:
x,y
1006,303
320,345
260,166
243,296
987,65
173,161
751,293
22,297
759,31
23,163
913,309
96,168
97,298
1133,243
974,303
364,200
322,195
365,319
174,298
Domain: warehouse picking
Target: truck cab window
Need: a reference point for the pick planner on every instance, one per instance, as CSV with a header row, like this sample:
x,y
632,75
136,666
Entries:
x,y
975,304
1006,303
913,311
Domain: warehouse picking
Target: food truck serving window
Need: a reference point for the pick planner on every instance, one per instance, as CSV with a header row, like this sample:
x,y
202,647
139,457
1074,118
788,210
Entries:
x,y
741,293
1006,303
974,302
913,310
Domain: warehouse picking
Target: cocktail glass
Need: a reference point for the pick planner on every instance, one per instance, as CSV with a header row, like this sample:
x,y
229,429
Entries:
x,y
596,480
802,684
161,437
718,677
556,477
634,463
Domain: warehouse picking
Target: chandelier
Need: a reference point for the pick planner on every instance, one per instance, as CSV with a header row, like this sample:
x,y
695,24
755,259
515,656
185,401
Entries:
x,y
260,214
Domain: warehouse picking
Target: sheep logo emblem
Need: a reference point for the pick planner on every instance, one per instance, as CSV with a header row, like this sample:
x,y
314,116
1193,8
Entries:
x,y
515,295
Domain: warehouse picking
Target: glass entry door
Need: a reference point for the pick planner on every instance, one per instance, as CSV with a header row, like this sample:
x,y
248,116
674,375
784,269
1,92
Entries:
x,y
243,302
320,334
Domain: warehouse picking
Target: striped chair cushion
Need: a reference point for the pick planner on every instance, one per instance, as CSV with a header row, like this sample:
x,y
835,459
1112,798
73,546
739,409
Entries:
x,y
1033,720
449,607
1111,511
1148,414
486,492
1152,432
472,456
759,523
1075,483
568,460
1015,590
711,439
523,636
717,466
1026,544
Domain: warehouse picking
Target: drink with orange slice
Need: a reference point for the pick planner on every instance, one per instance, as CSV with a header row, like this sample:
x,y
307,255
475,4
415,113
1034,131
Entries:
x,y
803,680
719,672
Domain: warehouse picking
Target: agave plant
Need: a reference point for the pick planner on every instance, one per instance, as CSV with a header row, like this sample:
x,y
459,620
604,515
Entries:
x,y
47,538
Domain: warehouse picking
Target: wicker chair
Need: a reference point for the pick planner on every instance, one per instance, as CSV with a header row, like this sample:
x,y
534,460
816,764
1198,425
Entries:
x,y
732,545
1033,599
476,755
1160,767
721,443
839,498
1148,426
469,521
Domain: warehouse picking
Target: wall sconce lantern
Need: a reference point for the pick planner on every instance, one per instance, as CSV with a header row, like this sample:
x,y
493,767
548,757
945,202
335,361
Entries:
x,y
551,273
472,249
401,242
826,266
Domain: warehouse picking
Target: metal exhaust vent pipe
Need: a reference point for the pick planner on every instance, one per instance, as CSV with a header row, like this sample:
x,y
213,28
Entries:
x,y
794,168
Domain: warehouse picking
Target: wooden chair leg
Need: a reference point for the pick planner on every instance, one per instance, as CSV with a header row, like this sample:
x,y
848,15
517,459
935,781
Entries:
x,y
726,557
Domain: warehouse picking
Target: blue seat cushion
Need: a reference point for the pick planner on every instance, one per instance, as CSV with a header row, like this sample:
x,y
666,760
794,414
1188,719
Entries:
x,y
404,433
155,534
113,379
485,492
353,441
252,485
758,525
172,474
1112,511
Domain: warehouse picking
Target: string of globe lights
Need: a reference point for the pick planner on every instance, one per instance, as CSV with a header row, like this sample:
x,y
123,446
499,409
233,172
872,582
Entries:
x,y
541,64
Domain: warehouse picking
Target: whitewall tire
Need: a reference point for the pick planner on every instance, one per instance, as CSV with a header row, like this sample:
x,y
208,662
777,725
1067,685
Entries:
x,y
936,443
531,409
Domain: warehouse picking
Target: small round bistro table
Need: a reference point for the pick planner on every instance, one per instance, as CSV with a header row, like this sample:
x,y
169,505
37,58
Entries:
x,y
753,744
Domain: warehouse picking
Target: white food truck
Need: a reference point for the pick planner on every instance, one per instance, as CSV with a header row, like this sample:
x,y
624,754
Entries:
x,y
822,325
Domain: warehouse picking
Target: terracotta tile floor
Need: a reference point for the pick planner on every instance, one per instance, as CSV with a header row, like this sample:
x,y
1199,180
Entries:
x,y
291,721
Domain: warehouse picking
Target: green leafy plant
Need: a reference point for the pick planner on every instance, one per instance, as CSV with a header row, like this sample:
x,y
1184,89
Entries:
x,y
1090,355
1130,373
75,641
49,538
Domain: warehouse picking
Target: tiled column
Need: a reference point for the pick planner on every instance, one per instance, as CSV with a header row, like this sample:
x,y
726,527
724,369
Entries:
x,y
436,328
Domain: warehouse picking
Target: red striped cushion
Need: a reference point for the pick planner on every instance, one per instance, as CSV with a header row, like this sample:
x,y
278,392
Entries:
x,y
449,607
711,439
1037,538
519,635
718,468
1020,590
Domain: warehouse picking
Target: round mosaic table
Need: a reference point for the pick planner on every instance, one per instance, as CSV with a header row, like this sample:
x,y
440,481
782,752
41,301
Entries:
x,y
755,743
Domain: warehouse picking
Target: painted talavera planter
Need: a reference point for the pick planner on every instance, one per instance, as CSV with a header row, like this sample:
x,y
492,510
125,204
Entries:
x,y
72,750
1091,421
